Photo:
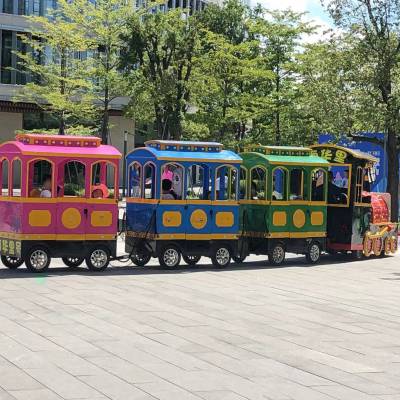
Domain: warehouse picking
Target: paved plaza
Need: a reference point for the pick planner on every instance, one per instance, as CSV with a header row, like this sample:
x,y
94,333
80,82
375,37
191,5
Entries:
x,y
330,331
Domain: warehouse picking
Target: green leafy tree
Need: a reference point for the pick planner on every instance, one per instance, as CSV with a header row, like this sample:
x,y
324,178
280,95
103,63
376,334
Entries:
x,y
375,28
280,34
104,24
58,83
161,51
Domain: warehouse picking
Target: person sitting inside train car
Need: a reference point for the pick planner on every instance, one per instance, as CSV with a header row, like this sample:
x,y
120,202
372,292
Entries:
x,y
46,187
336,195
167,192
100,191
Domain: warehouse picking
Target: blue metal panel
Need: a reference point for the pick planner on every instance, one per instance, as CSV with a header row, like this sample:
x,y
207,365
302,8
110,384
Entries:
x,y
140,217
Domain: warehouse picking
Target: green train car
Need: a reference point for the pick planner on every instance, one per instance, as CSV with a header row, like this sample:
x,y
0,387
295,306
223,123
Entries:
x,y
283,203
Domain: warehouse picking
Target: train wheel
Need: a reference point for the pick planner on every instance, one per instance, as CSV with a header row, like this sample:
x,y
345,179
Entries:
x,y
314,253
191,260
221,256
393,244
38,259
367,245
169,256
276,255
11,262
72,262
239,259
98,258
377,246
140,258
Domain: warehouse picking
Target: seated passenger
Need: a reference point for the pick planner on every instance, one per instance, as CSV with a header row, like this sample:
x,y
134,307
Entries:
x,y
46,187
167,192
100,191
97,193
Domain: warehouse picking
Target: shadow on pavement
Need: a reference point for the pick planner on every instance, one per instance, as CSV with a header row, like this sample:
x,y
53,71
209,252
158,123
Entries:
x,y
118,268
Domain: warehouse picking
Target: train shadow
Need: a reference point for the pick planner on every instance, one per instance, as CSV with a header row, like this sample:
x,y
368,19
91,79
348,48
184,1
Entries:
x,y
118,268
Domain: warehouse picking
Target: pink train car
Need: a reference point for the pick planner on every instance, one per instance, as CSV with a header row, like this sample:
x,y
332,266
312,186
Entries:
x,y
59,198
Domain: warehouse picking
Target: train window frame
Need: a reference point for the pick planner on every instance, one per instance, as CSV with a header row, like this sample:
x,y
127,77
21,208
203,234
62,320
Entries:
x,y
140,180
349,185
86,176
246,182
179,196
359,186
5,191
103,183
11,173
302,195
189,181
285,185
31,164
250,196
230,179
325,185
153,190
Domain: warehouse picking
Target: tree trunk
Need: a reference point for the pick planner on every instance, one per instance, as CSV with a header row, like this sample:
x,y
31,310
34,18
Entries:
x,y
393,173
61,128
63,74
105,119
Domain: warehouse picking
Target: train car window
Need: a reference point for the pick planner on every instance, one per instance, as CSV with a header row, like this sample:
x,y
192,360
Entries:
x,y
198,182
73,184
172,182
4,177
16,178
135,180
279,182
318,185
338,185
40,179
226,183
297,184
149,175
258,184
359,185
104,183
243,183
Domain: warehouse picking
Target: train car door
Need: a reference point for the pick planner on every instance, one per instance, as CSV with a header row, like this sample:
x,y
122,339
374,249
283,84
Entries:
x,y
199,210
72,206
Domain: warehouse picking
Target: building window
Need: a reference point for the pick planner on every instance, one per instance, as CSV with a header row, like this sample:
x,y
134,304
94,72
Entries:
x,y
6,56
8,6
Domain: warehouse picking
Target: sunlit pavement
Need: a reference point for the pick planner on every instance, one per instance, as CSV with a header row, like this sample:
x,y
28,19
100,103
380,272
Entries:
x,y
330,331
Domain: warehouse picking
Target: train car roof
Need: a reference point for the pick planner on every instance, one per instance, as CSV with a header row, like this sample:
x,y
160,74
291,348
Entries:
x,y
351,152
283,155
60,146
164,150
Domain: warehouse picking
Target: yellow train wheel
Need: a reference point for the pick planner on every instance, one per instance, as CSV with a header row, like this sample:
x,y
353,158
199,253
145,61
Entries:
x,y
388,245
393,244
367,245
377,246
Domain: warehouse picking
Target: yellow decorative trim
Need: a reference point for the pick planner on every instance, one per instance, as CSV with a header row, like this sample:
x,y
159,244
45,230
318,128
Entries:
x,y
167,236
317,218
71,218
39,218
299,219
212,236
260,202
24,236
101,219
172,219
198,219
279,218
200,160
139,200
70,155
224,219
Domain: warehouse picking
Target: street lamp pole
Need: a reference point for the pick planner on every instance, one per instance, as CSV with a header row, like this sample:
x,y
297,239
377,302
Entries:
x,y
124,164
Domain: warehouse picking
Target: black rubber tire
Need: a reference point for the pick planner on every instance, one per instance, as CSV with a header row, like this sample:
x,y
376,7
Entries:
x,y
276,256
169,256
239,259
221,256
191,260
140,258
11,262
72,262
38,259
314,253
98,265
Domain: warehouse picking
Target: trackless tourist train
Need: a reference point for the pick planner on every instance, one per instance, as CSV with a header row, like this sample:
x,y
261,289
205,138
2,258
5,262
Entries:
x,y
59,199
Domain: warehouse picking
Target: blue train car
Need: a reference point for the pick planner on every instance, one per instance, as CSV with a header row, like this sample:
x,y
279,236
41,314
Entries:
x,y
182,201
